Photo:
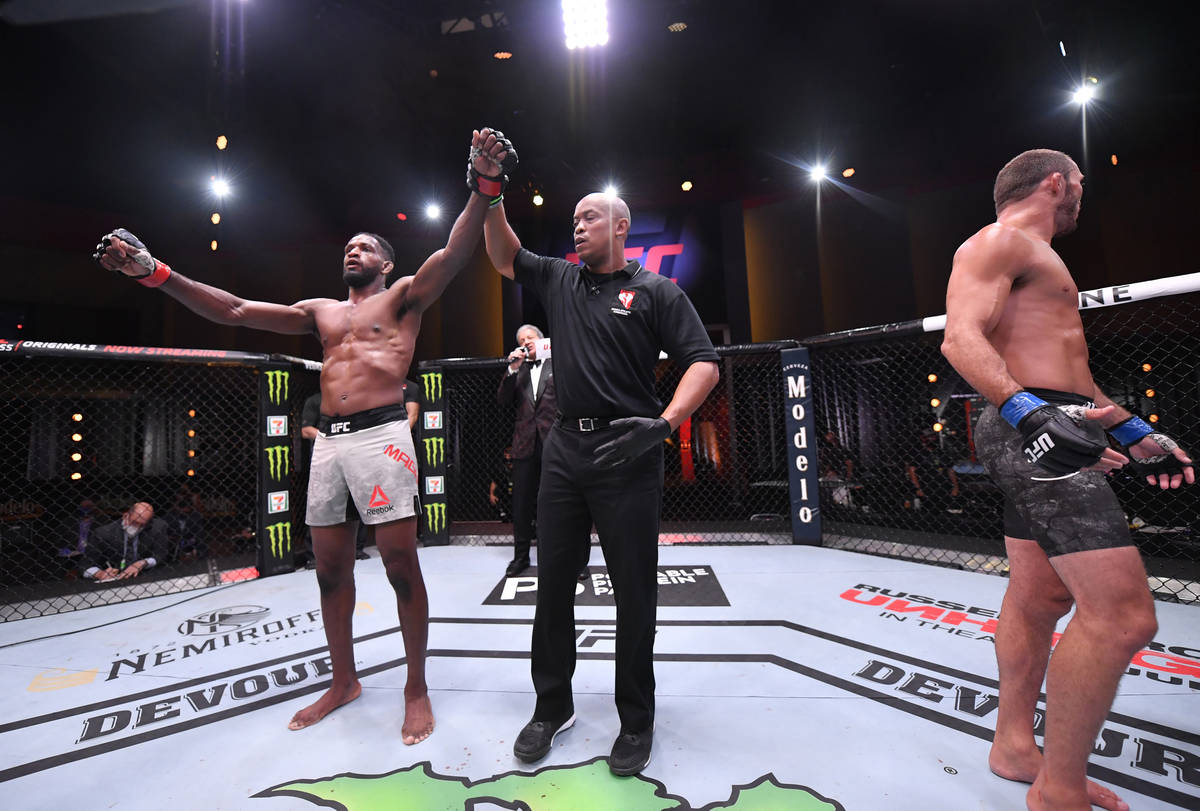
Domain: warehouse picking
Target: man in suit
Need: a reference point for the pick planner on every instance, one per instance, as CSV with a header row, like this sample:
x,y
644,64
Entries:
x,y
529,387
126,548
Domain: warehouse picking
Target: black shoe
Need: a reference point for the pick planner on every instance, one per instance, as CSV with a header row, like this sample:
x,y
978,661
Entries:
x,y
631,752
516,566
361,555
537,737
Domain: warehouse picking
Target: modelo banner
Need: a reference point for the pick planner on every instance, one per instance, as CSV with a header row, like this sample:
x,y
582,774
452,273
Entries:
x,y
803,471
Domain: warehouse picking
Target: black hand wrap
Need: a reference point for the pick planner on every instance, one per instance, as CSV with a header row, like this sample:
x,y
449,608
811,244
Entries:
x,y
492,186
1166,462
636,436
143,258
1055,443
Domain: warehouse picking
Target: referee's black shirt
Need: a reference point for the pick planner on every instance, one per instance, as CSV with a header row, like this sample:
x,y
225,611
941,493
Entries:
x,y
607,332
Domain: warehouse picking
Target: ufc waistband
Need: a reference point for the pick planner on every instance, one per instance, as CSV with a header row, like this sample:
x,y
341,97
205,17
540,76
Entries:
x,y
336,426
1058,398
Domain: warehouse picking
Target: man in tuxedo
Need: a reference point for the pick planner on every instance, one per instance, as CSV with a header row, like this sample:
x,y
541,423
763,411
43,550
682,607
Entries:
x,y
529,387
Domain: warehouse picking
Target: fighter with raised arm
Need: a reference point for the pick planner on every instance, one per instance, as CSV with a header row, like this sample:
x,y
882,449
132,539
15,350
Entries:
x,y
1013,331
363,455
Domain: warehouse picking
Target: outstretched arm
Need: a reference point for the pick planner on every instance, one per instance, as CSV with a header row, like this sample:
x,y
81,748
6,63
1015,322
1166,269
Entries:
x,y
492,156
122,252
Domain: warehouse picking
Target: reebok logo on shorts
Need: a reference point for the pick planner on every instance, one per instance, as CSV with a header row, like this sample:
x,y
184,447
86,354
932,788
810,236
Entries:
x,y
379,502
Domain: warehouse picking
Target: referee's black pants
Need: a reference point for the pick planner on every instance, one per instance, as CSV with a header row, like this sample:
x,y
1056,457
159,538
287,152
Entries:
x,y
624,503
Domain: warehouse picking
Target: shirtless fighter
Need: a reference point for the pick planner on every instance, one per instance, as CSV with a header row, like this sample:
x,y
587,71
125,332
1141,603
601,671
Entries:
x,y
1013,331
368,342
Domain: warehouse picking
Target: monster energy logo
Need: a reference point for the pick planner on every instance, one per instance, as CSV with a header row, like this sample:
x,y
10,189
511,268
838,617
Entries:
x,y
277,386
435,450
435,517
433,385
280,536
278,460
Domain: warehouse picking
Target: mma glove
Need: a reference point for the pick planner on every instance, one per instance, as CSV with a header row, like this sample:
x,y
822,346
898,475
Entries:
x,y
1052,440
156,271
636,436
1132,431
492,186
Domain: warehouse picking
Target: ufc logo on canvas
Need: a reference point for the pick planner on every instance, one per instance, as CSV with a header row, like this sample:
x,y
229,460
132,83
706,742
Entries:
x,y
1038,447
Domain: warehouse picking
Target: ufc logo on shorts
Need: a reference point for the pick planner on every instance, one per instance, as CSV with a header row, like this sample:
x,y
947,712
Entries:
x,y
1038,447
339,427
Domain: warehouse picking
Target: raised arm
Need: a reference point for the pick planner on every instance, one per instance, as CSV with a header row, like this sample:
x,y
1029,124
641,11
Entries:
x,y
500,240
122,252
491,159
985,267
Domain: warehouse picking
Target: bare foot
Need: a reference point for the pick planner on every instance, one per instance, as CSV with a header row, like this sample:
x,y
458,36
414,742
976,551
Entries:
x,y
418,719
1025,764
324,705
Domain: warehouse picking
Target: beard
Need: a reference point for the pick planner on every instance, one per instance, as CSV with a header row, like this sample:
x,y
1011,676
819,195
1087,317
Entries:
x,y
357,277
1066,217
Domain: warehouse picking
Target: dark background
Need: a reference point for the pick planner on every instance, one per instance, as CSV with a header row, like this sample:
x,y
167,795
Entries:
x,y
337,121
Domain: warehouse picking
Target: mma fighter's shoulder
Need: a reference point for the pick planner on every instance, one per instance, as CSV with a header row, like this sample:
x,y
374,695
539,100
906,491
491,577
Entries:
x,y
996,249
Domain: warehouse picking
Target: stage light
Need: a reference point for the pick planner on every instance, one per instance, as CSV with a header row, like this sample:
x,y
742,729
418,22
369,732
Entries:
x,y
1149,392
191,472
1062,48
20,326
1084,94
433,211
611,190
75,457
401,216
191,412
76,437
1146,367
937,427
76,476
77,417
848,172
1113,158
212,246
220,187
191,452
216,218
931,377
686,185
585,23
538,199
817,173
191,433
675,28
222,142
502,55
935,402
1153,418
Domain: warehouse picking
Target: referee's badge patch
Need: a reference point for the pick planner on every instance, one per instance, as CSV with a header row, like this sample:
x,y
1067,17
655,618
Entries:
x,y
626,297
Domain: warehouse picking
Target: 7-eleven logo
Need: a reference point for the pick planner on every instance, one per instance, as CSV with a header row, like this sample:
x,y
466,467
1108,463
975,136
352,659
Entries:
x,y
626,297
378,498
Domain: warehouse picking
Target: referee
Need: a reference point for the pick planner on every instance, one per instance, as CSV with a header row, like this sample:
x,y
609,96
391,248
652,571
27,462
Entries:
x,y
602,463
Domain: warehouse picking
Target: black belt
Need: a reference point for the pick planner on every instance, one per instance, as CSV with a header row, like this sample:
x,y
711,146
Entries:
x,y
585,424
362,419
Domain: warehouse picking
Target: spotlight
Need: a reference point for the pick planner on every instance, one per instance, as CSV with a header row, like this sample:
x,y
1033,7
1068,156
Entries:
x,y
76,476
191,472
686,185
401,216
1153,418
585,23
817,173
77,417
935,402
1113,158
1146,367
191,433
675,28
433,211
76,437
75,457
212,246
191,453
848,172
611,190
1084,94
220,187
937,427
538,199
222,142
931,377
1150,392
502,55
216,218
191,412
